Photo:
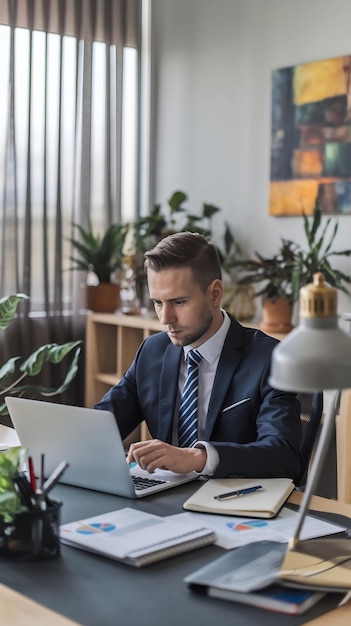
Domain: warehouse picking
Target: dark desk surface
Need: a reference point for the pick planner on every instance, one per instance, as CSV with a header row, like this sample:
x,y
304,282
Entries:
x,y
96,591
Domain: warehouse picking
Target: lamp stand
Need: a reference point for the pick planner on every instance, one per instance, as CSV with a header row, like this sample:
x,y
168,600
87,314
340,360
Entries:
x,y
317,464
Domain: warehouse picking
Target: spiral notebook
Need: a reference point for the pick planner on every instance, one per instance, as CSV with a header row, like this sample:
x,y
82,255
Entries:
x,y
135,537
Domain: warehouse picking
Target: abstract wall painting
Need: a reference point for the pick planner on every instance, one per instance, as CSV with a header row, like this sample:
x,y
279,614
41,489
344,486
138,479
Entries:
x,y
311,138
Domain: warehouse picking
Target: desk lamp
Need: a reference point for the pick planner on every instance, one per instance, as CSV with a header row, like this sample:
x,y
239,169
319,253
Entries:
x,y
316,356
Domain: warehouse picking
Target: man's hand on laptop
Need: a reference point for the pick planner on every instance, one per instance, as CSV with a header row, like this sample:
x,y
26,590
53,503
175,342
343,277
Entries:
x,y
155,454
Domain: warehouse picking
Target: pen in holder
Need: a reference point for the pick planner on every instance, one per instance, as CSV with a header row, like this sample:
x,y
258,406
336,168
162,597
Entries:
x,y
29,518
32,535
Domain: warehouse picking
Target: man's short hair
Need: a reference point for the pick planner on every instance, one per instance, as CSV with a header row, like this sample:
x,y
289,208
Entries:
x,y
186,249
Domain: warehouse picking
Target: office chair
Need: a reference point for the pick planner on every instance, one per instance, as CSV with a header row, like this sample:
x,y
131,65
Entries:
x,y
311,415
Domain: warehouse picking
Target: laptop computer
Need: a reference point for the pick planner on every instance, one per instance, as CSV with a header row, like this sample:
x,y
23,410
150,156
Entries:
x,y
89,439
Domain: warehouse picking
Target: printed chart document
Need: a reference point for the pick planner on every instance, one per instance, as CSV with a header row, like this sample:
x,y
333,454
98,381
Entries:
x,y
135,537
233,532
264,502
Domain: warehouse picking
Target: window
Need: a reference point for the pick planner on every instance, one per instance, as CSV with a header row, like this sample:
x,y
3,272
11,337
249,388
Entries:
x,y
68,146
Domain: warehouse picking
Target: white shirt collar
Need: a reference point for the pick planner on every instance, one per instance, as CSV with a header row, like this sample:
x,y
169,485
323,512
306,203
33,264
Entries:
x,y
212,348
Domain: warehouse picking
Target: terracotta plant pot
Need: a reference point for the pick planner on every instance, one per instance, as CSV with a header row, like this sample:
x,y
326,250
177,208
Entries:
x,y
103,298
276,316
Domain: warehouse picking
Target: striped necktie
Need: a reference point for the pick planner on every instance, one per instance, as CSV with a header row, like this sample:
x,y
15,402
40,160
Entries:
x,y
187,425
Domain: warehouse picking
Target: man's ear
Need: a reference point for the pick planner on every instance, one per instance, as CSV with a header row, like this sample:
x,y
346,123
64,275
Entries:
x,y
216,292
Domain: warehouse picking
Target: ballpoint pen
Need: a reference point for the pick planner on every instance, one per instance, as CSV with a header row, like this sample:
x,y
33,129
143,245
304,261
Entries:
x,y
25,489
238,492
42,470
41,494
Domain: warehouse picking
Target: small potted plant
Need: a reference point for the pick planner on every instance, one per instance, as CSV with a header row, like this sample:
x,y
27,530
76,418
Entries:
x,y
282,275
274,277
16,375
101,255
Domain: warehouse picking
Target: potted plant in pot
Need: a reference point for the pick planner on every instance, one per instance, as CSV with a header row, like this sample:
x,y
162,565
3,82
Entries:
x,y
100,254
274,275
283,274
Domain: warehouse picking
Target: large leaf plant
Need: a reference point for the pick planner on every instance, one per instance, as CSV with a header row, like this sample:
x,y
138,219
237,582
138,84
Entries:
x,y
319,253
17,374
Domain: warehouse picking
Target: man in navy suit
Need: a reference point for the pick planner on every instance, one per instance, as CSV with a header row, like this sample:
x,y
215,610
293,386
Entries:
x,y
244,426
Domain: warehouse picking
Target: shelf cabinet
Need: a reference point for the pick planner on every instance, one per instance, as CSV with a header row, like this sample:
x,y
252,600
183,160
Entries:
x,y
111,343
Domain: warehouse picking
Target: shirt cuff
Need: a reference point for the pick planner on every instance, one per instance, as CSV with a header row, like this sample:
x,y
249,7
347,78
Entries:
x,y
212,458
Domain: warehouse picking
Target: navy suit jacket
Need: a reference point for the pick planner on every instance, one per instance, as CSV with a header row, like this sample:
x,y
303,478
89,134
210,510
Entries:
x,y
256,429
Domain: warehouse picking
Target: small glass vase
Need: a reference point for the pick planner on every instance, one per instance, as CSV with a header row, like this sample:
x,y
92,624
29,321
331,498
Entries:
x,y
129,301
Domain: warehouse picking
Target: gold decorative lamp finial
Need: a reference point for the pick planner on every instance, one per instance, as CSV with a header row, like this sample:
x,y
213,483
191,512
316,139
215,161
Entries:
x,y
318,299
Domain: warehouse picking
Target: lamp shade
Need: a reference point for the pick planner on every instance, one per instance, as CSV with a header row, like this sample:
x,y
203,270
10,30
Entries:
x,y
317,354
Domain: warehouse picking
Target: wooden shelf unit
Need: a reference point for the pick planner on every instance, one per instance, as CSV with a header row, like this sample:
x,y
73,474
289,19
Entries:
x,y
111,343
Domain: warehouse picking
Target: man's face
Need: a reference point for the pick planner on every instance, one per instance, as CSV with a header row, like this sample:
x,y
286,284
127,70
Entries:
x,y
189,315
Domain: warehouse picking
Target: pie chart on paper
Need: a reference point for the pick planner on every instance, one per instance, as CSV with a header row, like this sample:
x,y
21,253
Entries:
x,y
91,529
248,525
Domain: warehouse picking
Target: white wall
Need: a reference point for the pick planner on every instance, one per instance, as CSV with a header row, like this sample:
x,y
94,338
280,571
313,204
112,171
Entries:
x,y
211,103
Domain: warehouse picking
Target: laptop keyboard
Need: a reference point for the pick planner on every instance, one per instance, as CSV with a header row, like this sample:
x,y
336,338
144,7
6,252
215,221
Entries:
x,y
140,482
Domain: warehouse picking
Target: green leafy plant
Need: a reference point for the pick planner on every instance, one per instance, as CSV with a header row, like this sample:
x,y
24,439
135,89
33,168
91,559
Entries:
x,y
99,253
273,273
15,373
176,217
284,273
11,462
317,258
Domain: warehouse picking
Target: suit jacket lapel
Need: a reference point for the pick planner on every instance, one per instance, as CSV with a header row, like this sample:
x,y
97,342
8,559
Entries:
x,y
168,391
228,362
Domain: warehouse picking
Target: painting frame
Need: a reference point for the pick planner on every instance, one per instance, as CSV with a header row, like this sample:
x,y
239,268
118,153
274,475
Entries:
x,y
311,138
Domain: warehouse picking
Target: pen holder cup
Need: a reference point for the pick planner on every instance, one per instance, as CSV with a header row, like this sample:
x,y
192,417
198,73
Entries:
x,y
32,535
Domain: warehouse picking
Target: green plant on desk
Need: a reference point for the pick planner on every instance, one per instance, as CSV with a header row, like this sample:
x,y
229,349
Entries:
x,y
29,520
11,461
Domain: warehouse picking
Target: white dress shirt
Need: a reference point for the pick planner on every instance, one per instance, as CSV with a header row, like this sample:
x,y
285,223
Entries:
x,y
210,351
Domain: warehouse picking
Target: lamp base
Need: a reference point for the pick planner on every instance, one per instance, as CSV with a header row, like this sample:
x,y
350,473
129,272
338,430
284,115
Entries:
x,y
322,564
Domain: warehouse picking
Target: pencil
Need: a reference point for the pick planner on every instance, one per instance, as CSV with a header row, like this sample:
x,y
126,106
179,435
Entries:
x,y
32,478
